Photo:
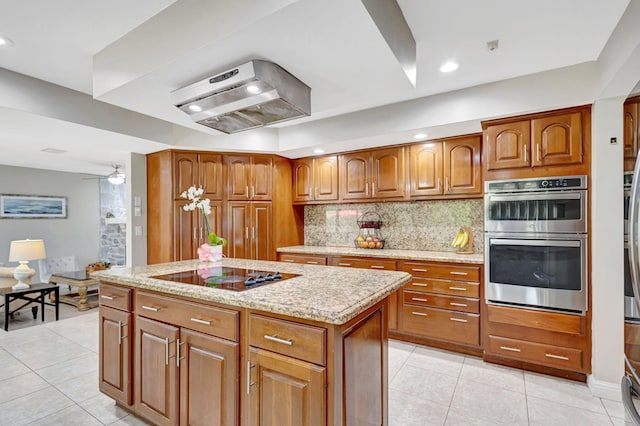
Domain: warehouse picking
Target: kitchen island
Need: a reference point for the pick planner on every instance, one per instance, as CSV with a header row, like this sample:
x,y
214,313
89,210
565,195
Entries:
x,y
307,350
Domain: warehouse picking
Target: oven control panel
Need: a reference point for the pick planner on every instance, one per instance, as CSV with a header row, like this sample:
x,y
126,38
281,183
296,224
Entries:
x,y
544,184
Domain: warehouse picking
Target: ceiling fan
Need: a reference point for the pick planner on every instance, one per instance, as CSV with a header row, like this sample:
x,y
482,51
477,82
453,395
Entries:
x,y
115,178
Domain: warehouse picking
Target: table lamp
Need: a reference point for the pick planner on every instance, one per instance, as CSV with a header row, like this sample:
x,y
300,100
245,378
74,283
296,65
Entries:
x,y
23,251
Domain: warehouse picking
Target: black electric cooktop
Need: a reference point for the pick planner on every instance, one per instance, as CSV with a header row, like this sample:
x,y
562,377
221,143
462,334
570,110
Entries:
x,y
225,278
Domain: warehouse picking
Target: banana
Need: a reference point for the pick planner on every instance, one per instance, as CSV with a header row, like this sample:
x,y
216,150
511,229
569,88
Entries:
x,y
457,239
465,239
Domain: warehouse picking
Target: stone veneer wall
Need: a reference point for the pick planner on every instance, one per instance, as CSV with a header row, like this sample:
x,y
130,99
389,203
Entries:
x,y
418,225
113,237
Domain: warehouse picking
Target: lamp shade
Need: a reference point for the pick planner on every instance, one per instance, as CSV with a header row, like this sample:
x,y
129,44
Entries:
x,y
26,250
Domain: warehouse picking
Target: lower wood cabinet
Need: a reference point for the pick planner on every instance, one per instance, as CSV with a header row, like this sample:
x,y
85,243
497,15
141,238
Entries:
x,y
309,259
174,361
275,380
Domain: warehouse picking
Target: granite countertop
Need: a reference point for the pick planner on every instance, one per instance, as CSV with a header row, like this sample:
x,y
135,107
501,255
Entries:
x,y
326,294
440,256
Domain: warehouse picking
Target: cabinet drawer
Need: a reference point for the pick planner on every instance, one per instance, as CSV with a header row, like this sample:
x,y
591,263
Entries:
x,y
300,258
369,263
441,324
538,353
547,321
288,338
207,319
436,270
448,287
115,297
462,304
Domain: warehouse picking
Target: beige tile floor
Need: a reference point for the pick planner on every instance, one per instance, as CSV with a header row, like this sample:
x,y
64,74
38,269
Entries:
x,y
49,376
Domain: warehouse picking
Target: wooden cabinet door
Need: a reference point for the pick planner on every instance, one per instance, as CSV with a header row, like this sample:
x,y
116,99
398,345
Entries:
x,y
631,130
209,391
508,145
285,391
355,176
237,233
156,372
238,177
425,169
462,174
556,140
210,175
261,231
185,172
302,170
387,176
261,178
115,354
185,231
325,178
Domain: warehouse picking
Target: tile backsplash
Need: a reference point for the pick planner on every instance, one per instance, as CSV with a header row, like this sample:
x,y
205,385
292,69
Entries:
x,y
417,225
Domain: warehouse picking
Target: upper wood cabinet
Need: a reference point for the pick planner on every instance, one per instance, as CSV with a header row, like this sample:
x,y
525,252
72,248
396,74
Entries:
x,y
202,170
631,132
377,174
550,143
249,231
449,167
249,178
315,179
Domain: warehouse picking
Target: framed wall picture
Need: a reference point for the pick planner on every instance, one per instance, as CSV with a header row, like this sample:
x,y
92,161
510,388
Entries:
x,y
32,207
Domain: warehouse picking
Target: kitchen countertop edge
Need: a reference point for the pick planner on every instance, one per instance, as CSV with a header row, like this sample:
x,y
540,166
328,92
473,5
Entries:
x,y
420,255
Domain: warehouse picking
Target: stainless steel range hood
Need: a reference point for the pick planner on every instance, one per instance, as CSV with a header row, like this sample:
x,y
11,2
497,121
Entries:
x,y
251,95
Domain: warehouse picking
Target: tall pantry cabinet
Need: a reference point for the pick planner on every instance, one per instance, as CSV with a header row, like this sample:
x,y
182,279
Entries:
x,y
242,207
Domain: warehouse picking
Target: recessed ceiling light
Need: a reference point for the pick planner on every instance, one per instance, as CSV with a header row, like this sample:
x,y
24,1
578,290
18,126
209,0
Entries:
x,y
5,41
195,108
54,151
449,66
318,151
253,89
420,136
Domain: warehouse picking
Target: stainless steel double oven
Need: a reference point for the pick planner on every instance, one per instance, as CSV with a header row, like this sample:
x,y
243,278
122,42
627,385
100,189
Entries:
x,y
536,243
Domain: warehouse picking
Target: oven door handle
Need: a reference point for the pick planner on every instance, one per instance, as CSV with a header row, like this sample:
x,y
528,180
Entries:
x,y
537,196
534,242
633,235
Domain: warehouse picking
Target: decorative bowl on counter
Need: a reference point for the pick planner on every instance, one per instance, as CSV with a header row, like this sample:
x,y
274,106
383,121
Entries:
x,y
369,242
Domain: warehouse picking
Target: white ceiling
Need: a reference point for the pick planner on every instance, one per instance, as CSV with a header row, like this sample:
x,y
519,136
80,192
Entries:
x,y
133,54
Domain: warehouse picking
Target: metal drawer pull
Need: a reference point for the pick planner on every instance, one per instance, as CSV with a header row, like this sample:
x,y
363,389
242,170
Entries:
x,y
119,332
419,299
507,348
418,270
201,321
249,382
459,320
312,262
166,351
289,260
104,296
344,264
275,338
178,357
458,273
458,304
422,314
150,308
420,285
564,358
458,288
377,267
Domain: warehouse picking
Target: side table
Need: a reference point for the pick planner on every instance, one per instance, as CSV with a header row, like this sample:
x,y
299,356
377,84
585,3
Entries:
x,y
35,293
78,279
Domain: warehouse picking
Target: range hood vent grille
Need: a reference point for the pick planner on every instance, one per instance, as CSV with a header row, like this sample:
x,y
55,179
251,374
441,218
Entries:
x,y
251,95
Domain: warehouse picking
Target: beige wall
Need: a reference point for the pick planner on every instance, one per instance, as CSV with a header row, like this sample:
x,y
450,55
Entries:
x,y
75,235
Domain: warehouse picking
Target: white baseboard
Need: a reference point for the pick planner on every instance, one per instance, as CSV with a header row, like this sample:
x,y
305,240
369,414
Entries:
x,y
606,390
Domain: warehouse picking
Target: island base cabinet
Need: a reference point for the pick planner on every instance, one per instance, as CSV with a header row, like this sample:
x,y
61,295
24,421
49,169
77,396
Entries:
x,y
285,391
156,393
115,359
208,379
185,377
